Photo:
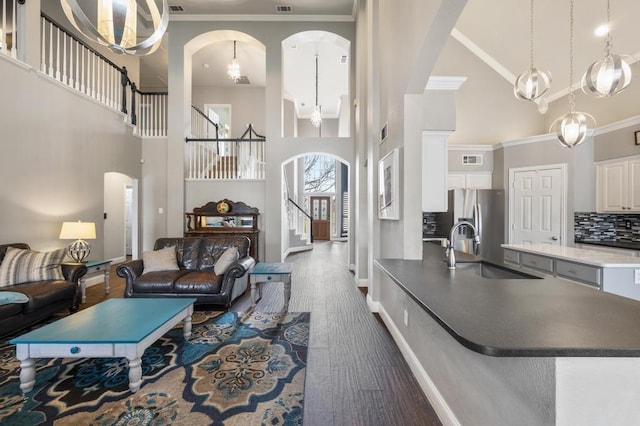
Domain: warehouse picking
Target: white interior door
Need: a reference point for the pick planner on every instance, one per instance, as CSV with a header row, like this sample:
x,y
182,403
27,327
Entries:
x,y
537,200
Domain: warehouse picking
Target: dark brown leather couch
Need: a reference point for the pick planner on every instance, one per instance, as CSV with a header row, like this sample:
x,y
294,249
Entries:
x,y
196,278
45,297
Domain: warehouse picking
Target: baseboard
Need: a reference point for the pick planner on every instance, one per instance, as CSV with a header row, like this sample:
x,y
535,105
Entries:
x,y
447,417
298,249
117,260
373,306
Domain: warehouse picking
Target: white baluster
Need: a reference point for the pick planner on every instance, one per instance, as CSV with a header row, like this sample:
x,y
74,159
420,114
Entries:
x,y
58,35
72,61
50,50
14,50
43,44
3,33
64,58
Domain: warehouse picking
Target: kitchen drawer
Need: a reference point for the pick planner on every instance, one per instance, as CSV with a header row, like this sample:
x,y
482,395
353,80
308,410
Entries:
x,y
511,256
587,274
541,263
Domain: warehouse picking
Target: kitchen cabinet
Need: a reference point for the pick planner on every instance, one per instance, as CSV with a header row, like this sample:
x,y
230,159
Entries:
x,y
618,185
478,180
434,171
607,271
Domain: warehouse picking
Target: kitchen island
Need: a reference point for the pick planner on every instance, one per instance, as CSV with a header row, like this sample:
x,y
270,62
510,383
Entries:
x,y
513,351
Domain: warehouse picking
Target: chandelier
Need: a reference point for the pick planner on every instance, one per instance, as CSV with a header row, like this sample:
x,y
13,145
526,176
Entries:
x,y
233,70
114,23
610,75
316,116
533,83
571,128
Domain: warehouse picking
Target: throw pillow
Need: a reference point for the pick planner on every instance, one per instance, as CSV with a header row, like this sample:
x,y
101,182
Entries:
x,y
229,256
8,297
23,266
160,260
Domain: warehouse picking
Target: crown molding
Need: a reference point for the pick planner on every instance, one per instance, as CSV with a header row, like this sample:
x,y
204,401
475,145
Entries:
x,y
263,18
483,55
444,83
618,125
481,148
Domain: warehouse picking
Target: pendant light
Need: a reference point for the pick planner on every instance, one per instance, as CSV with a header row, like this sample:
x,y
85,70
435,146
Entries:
x,y
115,25
533,83
571,128
233,70
316,116
611,74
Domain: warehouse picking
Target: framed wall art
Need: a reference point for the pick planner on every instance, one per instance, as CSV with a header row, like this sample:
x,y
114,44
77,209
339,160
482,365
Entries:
x,y
388,187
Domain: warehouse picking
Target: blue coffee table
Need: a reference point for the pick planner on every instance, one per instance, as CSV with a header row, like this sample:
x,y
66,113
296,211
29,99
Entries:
x,y
111,329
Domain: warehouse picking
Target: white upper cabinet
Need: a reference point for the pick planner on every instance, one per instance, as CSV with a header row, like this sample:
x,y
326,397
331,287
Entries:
x,y
618,185
434,171
476,180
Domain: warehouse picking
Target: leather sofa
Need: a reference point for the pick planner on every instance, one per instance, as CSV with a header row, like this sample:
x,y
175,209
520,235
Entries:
x,y
196,259
45,297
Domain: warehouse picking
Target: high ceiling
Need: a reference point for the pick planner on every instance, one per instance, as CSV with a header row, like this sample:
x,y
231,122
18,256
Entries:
x,y
497,31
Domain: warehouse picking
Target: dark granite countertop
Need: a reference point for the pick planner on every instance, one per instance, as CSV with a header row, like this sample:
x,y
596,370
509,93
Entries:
x,y
611,243
546,317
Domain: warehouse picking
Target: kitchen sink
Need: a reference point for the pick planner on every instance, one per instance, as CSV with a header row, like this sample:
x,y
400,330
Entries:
x,y
494,272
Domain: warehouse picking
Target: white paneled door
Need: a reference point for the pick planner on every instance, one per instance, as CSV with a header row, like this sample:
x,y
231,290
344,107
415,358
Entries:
x,y
537,204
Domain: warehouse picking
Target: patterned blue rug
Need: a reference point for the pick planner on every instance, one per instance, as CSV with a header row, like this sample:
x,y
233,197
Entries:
x,y
235,369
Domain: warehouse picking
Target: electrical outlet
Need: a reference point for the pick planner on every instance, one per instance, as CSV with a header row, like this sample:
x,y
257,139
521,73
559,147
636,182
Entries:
x,y
160,210
406,316
636,276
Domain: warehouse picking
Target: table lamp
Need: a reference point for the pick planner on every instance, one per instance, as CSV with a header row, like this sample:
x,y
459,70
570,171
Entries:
x,y
79,231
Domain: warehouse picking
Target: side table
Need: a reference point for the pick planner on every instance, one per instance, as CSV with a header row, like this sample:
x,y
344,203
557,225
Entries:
x,y
95,267
271,272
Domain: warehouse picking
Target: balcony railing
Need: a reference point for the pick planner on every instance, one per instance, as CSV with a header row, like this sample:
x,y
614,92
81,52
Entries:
x,y
211,157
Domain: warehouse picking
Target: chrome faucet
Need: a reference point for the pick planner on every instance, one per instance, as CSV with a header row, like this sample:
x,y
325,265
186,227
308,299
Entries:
x,y
450,252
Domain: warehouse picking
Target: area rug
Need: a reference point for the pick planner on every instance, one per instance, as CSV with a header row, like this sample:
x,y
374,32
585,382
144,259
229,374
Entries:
x,y
235,369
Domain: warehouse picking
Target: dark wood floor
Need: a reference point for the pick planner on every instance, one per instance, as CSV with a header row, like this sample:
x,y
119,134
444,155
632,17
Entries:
x,y
356,374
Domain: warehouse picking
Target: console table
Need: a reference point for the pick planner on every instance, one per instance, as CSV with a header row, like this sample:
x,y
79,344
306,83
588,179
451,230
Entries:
x,y
225,217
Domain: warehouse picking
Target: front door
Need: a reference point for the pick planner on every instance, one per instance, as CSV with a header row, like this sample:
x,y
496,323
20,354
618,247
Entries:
x,y
537,206
321,218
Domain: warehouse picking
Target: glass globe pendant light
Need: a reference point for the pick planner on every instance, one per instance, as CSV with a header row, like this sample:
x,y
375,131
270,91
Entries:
x,y
611,74
233,70
113,23
533,83
571,128
316,115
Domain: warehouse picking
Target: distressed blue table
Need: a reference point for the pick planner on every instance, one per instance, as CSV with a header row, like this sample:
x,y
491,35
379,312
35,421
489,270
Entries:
x,y
113,328
271,272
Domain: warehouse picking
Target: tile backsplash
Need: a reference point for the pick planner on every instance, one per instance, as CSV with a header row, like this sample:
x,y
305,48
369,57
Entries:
x,y
607,227
428,224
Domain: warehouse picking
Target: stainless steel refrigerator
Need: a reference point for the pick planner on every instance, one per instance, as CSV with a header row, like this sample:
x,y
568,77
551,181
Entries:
x,y
485,209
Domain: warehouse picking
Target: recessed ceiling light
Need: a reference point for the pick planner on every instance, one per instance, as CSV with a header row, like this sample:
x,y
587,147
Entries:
x,y
601,30
205,65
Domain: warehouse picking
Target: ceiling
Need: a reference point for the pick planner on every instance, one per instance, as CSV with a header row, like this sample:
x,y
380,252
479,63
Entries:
x,y
497,31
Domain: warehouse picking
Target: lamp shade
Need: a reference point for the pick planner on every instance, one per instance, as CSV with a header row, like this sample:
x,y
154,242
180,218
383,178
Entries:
x,y
78,231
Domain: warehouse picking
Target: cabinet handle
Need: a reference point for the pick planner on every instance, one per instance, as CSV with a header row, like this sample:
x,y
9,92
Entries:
x,y
571,271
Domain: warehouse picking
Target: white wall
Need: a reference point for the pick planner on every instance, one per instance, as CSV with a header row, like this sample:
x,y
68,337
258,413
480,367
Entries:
x,y
56,146
247,105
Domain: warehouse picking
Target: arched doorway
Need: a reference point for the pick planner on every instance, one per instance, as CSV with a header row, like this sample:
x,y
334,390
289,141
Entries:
x,y
316,201
120,217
